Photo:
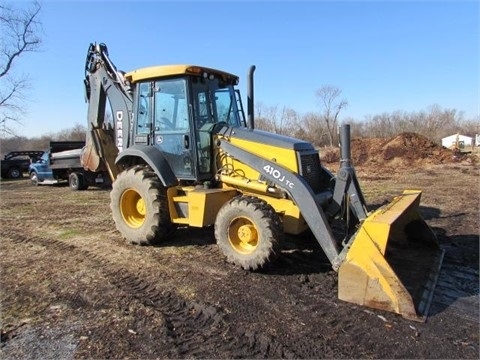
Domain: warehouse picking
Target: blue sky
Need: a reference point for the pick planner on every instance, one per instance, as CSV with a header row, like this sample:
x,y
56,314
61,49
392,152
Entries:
x,y
383,55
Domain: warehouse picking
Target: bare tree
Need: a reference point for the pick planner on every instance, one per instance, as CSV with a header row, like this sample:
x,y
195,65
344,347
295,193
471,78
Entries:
x,y
19,29
331,105
76,133
312,129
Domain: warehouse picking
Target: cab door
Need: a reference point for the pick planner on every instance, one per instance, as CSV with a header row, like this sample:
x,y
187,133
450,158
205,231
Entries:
x,y
171,126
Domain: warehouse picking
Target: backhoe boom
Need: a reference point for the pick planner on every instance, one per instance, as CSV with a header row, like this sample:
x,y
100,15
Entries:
x,y
104,84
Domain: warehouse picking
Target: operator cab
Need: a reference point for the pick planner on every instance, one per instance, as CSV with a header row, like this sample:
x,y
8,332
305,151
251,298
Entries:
x,y
178,108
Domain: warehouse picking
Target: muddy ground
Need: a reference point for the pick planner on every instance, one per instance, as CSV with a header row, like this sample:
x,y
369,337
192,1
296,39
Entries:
x,y
72,288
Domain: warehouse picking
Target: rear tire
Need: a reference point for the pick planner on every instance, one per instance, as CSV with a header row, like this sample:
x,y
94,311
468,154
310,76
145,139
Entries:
x,y
77,182
248,232
139,206
14,173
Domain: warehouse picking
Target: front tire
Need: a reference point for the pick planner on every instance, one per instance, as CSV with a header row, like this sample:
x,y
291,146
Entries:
x,y
34,178
248,232
139,206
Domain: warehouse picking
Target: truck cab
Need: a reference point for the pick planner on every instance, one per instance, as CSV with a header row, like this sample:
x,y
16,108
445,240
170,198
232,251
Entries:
x,y
40,171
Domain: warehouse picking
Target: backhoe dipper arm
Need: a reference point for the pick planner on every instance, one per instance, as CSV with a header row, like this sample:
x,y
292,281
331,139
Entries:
x,y
102,82
300,192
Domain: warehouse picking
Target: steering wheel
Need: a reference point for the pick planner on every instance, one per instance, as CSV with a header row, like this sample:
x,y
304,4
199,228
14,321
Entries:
x,y
213,128
167,124
143,107
219,126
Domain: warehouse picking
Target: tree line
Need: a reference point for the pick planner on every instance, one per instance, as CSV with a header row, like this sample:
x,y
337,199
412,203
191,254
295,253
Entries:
x,y
434,123
41,143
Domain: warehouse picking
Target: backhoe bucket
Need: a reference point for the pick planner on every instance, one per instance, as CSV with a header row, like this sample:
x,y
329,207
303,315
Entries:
x,y
392,262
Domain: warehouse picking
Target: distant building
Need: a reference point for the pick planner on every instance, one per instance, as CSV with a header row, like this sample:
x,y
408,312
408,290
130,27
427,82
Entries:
x,y
477,139
457,140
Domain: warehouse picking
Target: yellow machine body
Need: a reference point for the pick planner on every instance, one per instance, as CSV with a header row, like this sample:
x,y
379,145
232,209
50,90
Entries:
x,y
198,206
248,180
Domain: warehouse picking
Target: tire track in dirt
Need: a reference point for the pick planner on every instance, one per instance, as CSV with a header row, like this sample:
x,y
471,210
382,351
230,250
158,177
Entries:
x,y
298,291
262,322
191,325
192,328
293,308
316,283
197,329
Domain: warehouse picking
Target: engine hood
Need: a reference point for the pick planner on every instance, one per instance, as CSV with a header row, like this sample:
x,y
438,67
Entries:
x,y
268,138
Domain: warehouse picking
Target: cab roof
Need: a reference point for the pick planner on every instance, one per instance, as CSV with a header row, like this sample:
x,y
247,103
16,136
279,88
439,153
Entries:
x,y
172,70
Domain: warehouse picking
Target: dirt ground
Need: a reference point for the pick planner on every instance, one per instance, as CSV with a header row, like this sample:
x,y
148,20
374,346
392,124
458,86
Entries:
x,y
72,288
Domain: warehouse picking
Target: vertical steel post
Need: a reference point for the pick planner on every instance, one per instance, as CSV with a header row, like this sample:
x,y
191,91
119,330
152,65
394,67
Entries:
x,y
345,150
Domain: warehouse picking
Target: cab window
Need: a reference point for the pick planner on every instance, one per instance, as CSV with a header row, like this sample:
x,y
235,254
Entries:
x,y
171,110
143,121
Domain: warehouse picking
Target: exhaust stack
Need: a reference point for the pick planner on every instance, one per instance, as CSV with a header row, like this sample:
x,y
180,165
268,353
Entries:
x,y
250,103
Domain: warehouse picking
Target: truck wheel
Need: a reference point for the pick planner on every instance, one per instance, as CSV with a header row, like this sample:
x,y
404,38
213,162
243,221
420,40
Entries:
x,y
248,232
34,178
14,173
77,182
139,206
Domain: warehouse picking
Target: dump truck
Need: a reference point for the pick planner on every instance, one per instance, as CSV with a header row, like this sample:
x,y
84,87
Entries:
x,y
60,163
180,152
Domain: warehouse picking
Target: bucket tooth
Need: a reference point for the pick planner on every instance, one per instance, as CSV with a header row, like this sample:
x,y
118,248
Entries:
x,y
392,262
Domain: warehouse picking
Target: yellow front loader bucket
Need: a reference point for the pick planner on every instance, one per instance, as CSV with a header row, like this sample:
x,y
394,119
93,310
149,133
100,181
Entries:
x,y
393,261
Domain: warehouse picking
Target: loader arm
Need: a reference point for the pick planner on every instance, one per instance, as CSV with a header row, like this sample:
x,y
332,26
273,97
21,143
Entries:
x,y
104,82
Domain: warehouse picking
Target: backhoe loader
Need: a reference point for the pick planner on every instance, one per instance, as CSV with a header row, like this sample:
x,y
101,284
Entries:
x,y
180,152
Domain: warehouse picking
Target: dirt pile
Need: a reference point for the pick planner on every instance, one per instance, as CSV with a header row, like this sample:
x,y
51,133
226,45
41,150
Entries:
x,y
402,150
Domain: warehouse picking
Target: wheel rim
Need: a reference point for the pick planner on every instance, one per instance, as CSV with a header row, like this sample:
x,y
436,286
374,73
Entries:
x,y
15,173
34,179
132,207
243,235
